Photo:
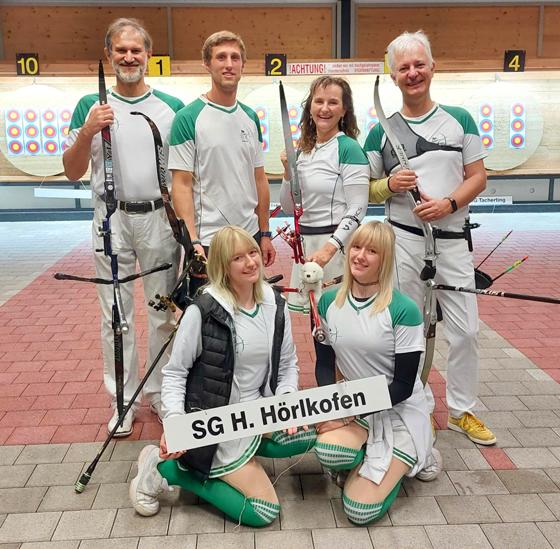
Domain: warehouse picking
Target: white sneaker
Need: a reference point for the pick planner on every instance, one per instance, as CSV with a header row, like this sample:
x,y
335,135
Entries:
x,y
125,428
155,408
148,483
432,471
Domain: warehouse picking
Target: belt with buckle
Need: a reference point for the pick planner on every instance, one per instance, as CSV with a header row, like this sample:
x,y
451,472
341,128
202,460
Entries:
x,y
140,207
438,233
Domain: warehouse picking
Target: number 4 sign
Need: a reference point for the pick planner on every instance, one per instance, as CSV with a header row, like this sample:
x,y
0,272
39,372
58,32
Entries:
x,y
159,65
514,61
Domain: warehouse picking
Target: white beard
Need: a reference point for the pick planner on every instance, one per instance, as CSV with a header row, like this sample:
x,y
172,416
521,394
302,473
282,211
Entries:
x,y
127,76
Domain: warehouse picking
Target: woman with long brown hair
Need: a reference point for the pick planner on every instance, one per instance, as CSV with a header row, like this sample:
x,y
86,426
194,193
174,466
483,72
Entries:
x,y
334,176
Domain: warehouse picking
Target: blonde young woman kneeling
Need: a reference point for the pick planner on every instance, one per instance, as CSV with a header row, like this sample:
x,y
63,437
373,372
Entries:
x,y
234,345
376,330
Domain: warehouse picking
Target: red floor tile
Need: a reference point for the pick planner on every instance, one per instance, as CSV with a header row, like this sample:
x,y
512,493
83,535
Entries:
x,y
43,389
64,417
53,402
497,458
75,433
150,431
29,418
32,435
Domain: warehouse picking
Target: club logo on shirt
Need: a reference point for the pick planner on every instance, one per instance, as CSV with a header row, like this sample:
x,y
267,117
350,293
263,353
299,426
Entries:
x,y
439,139
333,335
244,136
239,345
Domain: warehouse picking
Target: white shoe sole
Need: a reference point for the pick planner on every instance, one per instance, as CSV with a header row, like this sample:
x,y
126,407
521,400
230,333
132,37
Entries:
x,y
436,470
454,427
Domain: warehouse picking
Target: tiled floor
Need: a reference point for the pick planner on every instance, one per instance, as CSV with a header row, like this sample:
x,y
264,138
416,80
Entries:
x,y
53,407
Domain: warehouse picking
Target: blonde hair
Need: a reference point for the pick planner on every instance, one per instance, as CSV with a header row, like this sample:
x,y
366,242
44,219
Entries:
x,y
222,37
379,236
118,26
225,243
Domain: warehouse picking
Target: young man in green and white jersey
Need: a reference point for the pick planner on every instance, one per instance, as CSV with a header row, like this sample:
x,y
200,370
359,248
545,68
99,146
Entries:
x,y
140,231
446,160
216,155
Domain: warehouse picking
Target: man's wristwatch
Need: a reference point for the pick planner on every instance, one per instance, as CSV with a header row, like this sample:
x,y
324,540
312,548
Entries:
x,y
452,202
267,234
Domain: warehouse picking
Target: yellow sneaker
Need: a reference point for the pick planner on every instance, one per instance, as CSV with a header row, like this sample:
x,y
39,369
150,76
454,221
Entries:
x,y
473,427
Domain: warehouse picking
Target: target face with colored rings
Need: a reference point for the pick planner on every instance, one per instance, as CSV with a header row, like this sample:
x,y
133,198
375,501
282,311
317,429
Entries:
x,y
49,131
13,116
32,147
31,131
517,141
16,147
517,125
51,147
14,131
487,141
30,115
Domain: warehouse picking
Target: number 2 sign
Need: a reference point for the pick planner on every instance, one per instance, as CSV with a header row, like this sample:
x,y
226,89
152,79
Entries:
x,y
275,64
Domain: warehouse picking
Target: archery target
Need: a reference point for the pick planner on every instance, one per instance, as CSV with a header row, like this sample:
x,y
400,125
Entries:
x,y
486,125
34,127
510,123
262,115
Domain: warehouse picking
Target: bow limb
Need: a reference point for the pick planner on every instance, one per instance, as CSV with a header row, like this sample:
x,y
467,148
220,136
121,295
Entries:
x,y
295,188
430,324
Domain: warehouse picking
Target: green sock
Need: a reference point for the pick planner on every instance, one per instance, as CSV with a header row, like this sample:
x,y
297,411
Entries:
x,y
281,445
249,511
337,457
364,513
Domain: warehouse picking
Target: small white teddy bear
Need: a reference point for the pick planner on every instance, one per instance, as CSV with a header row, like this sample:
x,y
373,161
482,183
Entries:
x,y
312,284
312,279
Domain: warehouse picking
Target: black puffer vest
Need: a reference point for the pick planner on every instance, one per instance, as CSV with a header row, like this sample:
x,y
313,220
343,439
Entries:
x,y
210,377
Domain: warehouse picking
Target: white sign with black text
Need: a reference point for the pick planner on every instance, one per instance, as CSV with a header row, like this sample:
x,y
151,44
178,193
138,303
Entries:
x,y
265,415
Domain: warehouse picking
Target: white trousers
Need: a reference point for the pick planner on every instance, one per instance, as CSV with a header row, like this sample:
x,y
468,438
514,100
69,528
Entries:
x,y
145,238
454,267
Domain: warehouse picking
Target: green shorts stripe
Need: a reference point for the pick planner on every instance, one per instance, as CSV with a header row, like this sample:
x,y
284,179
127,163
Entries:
x,y
403,456
239,462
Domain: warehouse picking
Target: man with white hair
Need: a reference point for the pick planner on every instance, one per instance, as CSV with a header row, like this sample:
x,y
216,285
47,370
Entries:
x,y
446,161
140,231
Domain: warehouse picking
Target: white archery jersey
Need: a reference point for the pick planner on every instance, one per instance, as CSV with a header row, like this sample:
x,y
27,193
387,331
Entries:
x,y
132,143
324,173
221,147
365,344
440,172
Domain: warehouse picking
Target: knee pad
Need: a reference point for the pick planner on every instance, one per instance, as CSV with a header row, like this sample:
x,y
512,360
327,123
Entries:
x,y
281,445
361,513
338,457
